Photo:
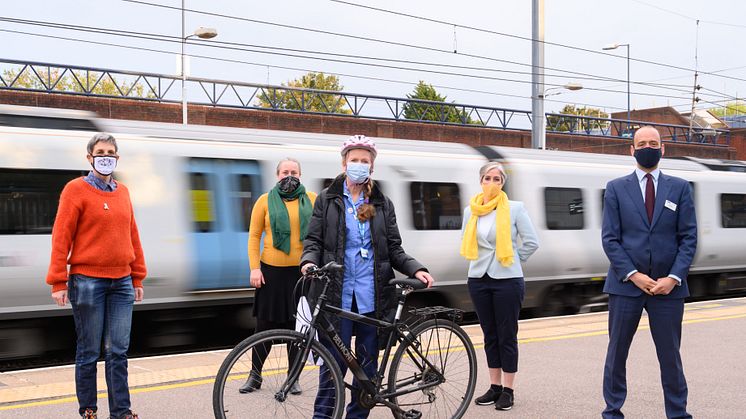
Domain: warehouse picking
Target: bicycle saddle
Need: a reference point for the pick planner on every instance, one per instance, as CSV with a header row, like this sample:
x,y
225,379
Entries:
x,y
413,283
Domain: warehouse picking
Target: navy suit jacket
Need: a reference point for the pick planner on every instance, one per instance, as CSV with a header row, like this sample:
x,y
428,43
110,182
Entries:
x,y
659,248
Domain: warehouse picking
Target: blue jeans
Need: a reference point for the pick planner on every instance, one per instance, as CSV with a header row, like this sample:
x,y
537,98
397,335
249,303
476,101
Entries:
x,y
102,309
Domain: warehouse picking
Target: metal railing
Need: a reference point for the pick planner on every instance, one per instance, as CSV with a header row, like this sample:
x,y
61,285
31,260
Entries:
x,y
621,128
100,82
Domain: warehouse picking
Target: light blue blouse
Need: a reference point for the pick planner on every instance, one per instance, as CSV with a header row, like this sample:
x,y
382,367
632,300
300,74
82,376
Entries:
x,y
520,226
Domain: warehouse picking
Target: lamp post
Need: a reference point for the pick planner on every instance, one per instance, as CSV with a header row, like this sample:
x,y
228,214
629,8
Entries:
x,y
615,46
202,33
567,86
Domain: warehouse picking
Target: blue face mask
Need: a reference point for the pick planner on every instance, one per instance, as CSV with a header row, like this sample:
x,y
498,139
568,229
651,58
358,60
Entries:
x,y
358,172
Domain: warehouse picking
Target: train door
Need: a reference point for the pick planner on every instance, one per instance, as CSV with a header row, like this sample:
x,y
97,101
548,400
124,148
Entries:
x,y
222,195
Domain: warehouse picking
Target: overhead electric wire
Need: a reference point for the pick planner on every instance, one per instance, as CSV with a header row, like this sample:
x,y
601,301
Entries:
x,y
395,43
171,39
523,37
380,79
711,22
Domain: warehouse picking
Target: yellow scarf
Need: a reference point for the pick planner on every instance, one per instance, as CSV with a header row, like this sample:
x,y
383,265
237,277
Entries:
x,y
503,239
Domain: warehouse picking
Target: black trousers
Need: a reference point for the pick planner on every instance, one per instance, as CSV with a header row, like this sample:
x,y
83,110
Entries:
x,y
260,352
498,304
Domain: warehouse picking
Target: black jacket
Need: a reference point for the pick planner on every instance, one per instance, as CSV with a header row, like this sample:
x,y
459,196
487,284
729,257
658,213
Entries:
x,y
325,242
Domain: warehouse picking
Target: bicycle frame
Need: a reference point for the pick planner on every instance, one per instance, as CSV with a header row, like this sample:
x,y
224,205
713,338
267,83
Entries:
x,y
369,386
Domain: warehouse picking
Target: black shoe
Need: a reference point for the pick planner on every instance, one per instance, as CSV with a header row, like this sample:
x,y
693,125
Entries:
x,y
490,396
254,382
505,401
295,389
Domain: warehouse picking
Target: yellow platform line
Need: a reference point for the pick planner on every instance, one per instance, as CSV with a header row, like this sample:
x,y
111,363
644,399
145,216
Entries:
x,y
199,382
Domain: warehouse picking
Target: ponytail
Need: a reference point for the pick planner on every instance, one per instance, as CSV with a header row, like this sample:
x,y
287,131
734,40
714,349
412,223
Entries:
x,y
366,211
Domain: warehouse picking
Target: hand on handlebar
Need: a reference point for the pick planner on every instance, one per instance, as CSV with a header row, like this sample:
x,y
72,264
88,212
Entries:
x,y
308,268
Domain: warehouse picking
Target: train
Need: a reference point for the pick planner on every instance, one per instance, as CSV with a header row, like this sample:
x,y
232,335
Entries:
x,y
193,188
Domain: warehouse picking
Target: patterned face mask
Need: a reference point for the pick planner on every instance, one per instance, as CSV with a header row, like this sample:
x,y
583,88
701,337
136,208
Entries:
x,y
288,184
104,165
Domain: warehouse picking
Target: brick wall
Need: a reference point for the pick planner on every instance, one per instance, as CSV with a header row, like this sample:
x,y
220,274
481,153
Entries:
x,y
117,108
663,115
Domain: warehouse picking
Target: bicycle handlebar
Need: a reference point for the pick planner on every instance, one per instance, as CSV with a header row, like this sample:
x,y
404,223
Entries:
x,y
329,268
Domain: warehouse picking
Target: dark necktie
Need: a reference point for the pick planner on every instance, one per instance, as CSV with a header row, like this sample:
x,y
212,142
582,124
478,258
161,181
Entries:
x,y
650,197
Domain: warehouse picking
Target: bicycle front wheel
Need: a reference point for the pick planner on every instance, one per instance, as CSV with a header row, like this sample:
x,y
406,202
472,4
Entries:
x,y
270,354
444,387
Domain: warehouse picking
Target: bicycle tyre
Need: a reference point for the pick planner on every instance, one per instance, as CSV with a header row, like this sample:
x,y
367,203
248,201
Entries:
x,y
228,402
450,350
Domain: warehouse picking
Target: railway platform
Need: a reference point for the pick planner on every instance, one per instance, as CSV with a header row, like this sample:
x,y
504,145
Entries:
x,y
560,373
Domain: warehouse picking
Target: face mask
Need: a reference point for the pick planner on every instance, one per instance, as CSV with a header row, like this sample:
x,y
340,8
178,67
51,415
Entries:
x,y
104,165
288,184
358,172
648,157
491,190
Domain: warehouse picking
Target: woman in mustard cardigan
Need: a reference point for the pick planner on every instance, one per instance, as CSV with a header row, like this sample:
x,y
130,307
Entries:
x,y
282,216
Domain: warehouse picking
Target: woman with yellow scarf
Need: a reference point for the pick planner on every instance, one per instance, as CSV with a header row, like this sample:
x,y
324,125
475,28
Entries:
x,y
490,232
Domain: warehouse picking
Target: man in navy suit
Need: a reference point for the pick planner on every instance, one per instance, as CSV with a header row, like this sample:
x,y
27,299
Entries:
x,y
649,235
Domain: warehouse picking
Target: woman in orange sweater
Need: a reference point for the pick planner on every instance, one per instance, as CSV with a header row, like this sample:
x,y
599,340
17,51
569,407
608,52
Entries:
x,y
95,234
282,216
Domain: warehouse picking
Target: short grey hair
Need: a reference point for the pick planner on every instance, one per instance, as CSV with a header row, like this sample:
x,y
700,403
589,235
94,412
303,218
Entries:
x,y
288,159
490,166
102,138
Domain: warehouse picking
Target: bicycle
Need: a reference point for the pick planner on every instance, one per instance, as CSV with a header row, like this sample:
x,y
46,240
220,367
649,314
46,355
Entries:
x,y
432,371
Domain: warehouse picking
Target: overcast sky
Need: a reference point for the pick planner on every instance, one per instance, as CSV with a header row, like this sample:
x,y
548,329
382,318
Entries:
x,y
659,31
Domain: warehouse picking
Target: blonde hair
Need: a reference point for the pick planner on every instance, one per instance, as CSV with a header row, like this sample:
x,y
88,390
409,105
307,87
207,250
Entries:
x,y
490,166
288,159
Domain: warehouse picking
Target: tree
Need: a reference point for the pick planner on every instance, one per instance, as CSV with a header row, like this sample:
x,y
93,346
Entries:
x,y
77,81
560,123
308,101
737,107
433,112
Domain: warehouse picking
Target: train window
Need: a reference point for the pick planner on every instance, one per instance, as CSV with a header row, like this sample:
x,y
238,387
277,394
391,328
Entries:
x,y
564,208
29,199
733,210
244,198
203,203
436,206
44,122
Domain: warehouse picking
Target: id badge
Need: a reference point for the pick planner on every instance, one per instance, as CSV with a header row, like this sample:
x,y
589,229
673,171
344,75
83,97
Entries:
x,y
364,253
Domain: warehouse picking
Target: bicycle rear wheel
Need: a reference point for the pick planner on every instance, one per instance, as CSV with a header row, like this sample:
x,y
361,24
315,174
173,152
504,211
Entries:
x,y
229,402
453,374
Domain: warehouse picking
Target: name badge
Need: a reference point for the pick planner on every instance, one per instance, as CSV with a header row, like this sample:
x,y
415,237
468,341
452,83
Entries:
x,y
670,205
364,253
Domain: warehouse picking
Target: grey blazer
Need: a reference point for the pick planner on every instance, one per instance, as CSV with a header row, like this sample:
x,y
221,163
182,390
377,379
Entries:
x,y
520,226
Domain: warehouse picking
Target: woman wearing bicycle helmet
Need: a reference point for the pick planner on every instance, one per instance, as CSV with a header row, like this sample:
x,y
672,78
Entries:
x,y
354,223
282,217
490,232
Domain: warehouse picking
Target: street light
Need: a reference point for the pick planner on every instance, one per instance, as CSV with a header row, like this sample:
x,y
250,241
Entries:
x,y
202,33
615,46
569,86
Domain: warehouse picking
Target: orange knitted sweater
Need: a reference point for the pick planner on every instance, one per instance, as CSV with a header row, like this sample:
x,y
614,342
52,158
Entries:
x,y
96,234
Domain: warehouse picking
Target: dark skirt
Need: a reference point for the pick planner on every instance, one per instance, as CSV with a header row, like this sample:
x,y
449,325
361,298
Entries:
x,y
275,301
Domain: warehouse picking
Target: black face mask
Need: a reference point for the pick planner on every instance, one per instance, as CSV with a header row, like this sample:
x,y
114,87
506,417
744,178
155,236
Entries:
x,y
288,184
648,157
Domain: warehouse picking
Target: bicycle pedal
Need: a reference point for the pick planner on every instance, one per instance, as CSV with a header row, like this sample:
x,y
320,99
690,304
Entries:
x,y
412,414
